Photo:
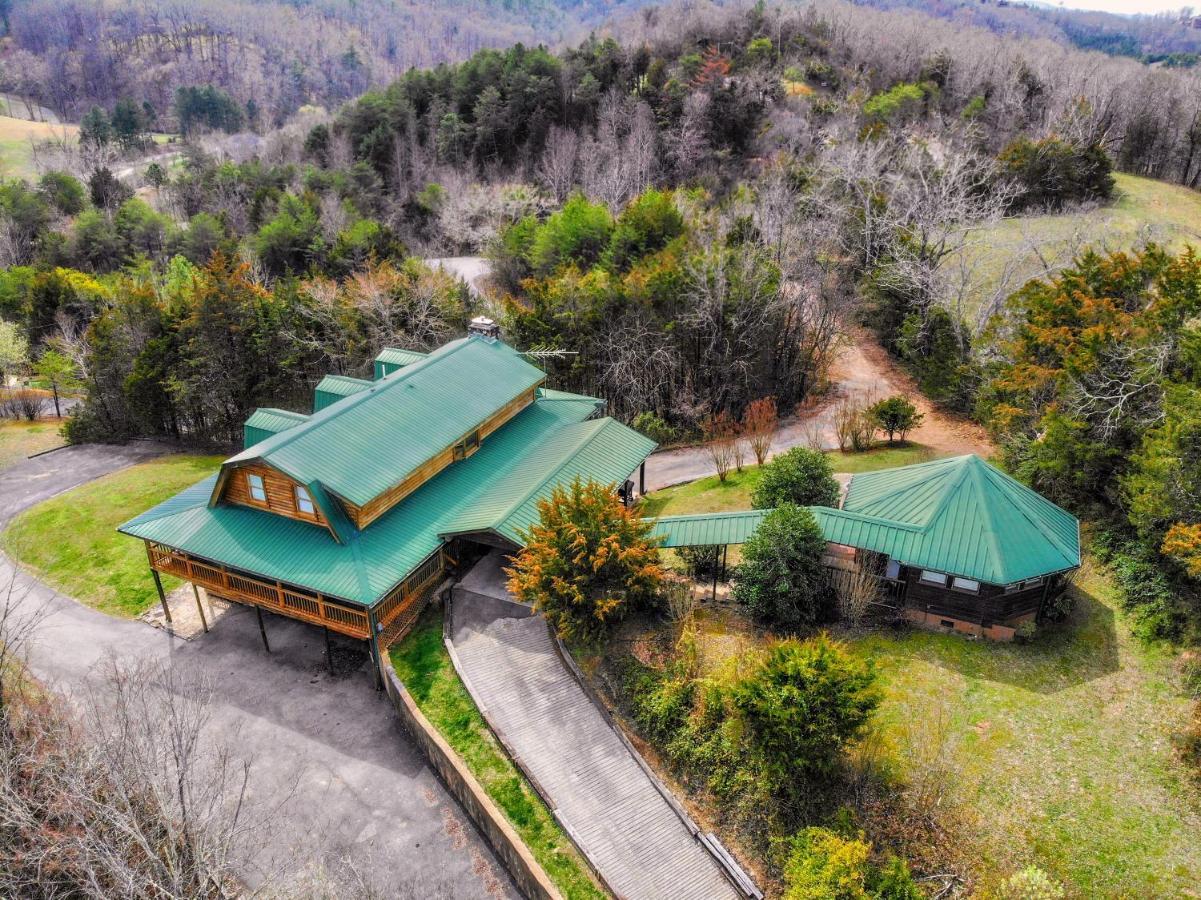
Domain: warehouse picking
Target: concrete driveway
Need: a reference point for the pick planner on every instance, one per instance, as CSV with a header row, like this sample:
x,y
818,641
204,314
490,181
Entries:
x,y
329,748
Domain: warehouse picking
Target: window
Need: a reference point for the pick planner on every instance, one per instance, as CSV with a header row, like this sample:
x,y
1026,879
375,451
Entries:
x,y
468,445
1031,583
304,502
965,584
938,578
258,492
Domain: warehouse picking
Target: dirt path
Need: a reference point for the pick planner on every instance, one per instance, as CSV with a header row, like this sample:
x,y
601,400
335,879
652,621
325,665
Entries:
x,y
864,370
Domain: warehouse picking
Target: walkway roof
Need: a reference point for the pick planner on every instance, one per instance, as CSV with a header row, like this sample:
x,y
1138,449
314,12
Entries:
x,y
706,529
494,490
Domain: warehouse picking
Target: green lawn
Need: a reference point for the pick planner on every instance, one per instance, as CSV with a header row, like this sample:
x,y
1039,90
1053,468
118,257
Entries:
x,y
423,665
713,495
1144,210
71,542
19,440
1058,752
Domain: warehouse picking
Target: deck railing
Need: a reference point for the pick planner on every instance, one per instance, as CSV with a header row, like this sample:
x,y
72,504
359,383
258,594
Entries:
x,y
397,612
242,587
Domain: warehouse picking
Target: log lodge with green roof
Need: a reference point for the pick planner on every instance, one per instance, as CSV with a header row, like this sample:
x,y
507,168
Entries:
x,y
348,518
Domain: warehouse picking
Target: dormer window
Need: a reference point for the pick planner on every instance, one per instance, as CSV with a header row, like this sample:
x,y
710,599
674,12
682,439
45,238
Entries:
x,y
304,501
468,445
258,491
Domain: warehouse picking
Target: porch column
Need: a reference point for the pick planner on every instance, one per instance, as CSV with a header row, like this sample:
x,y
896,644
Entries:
x,y
162,598
262,628
642,479
200,608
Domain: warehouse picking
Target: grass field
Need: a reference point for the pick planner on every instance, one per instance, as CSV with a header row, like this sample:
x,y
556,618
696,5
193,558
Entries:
x,y
21,439
712,495
71,542
16,149
1003,259
423,665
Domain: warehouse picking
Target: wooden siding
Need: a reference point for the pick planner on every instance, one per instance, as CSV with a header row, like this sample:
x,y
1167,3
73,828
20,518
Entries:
x,y
364,515
242,587
280,489
990,606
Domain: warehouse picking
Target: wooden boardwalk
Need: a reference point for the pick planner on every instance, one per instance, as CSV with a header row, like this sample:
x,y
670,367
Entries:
x,y
615,813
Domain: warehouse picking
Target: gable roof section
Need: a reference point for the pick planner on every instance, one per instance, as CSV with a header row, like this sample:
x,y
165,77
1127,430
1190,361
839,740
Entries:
x,y
265,422
957,515
499,477
601,449
392,358
364,444
333,388
708,529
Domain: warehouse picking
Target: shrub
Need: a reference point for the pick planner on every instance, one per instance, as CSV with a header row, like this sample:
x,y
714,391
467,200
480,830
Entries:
x,y
701,562
853,427
1031,883
587,560
802,704
824,866
896,416
655,428
759,426
1025,632
646,225
578,233
781,580
800,476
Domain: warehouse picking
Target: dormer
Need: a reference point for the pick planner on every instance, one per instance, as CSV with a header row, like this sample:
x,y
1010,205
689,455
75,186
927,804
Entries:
x,y
393,359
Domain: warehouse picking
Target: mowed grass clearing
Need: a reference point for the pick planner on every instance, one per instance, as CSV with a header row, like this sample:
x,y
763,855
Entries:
x,y
16,143
1007,255
422,663
1056,753
70,541
19,440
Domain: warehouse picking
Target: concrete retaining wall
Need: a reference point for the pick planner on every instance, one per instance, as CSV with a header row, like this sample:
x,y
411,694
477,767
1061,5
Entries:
x,y
527,873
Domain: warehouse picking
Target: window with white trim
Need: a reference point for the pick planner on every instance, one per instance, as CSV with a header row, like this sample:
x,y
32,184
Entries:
x,y
1032,583
304,502
258,491
929,577
965,584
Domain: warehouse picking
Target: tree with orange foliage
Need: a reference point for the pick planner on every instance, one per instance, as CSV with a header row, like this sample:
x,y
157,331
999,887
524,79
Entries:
x,y
714,69
759,426
587,561
721,437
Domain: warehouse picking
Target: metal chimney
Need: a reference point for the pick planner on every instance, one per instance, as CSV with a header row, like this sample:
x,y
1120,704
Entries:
x,y
485,328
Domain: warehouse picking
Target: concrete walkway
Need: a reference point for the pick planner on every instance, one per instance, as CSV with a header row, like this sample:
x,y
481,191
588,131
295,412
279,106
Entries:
x,y
617,816
327,750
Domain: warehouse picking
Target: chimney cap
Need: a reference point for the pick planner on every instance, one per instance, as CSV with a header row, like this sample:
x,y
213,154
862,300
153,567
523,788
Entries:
x,y
484,327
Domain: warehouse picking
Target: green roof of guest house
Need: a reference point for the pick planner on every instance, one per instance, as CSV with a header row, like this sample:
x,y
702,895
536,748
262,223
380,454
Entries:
x,y
958,515
364,443
333,388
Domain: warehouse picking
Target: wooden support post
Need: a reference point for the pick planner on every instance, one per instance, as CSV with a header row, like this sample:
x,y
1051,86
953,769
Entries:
x,y
262,628
715,574
642,479
724,551
329,653
200,608
162,598
373,643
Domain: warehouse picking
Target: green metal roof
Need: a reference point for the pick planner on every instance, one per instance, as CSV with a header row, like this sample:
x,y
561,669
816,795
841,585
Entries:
x,y
364,444
959,515
547,443
964,517
392,358
705,529
265,422
333,388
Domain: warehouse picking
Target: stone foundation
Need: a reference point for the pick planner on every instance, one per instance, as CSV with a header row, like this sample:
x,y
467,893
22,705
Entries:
x,y
1001,631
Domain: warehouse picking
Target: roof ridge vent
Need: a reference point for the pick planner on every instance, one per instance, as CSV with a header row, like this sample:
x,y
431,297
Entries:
x,y
484,327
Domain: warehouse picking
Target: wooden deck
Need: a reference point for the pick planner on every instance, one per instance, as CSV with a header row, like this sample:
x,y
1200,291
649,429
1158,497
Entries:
x,y
395,614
